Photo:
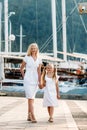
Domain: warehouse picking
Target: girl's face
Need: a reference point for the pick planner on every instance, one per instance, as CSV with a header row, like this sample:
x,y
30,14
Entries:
x,y
50,68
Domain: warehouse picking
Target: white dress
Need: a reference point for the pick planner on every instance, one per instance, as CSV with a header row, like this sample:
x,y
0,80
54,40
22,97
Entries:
x,y
50,95
31,76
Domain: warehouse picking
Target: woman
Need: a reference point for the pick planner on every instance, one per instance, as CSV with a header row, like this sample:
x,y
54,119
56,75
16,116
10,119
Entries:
x,y
32,65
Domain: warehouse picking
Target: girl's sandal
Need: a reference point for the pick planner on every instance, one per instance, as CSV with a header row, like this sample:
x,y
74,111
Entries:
x,y
50,120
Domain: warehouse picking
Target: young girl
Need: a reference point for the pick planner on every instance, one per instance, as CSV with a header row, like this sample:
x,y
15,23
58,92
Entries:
x,y
49,80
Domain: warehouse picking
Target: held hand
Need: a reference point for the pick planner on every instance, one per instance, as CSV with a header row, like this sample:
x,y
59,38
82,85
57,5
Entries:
x,y
40,86
58,96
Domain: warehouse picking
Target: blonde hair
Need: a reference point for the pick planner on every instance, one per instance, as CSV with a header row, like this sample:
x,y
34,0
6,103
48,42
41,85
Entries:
x,y
43,81
54,72
44,73
29,49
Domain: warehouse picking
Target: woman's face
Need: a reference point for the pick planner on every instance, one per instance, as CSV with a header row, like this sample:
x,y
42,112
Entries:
x,y
34,49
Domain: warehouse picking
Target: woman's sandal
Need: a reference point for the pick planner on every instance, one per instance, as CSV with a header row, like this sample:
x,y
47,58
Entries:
x,y
33,120
29,117
50,119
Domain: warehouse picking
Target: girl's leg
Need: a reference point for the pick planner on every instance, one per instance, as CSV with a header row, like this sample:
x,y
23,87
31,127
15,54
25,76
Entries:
x,y
51,111
48,108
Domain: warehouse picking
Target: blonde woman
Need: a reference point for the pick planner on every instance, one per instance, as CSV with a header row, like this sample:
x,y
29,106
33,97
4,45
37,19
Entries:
x,y
32,65
49,81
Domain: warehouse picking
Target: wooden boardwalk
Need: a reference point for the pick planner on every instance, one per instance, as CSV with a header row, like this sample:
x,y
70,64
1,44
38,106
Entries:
x,y
69,115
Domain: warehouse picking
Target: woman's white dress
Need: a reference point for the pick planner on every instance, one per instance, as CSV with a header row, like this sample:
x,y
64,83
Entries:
x,y
31,76
50,94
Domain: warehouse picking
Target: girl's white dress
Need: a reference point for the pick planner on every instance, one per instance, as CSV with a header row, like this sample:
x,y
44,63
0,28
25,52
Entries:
x,y
31,76
50,94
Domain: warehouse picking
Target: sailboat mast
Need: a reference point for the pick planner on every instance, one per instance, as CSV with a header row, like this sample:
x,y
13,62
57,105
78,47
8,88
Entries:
x,y
0,23
6,24
64,29
53,4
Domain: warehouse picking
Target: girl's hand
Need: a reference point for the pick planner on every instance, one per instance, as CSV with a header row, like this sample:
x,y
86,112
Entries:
x,y
58,96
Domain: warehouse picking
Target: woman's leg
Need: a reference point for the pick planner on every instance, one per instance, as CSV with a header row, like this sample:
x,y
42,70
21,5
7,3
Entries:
x,y
31,109
30,105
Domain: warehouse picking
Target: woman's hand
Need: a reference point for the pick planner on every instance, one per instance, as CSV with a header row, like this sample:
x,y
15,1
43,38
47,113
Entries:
x,y
40,86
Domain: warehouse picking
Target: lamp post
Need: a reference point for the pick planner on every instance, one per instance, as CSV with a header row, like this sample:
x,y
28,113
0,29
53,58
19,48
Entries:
x,y
6,17
21,37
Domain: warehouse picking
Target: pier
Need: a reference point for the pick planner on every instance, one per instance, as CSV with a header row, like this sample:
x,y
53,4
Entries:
x,y
69,115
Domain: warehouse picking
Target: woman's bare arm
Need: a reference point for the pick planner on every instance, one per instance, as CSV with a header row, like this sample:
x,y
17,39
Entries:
x,y
39,73
22,68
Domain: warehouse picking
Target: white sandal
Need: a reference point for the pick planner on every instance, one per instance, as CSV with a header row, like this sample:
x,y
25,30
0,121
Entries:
x,y
29,117
33,120
50,119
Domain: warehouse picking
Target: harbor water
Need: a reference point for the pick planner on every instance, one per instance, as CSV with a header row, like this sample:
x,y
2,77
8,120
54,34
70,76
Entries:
x,y
65,87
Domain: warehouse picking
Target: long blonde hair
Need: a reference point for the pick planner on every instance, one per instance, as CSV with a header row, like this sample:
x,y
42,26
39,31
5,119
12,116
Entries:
x,y
43,81
54,72
44,73
29,49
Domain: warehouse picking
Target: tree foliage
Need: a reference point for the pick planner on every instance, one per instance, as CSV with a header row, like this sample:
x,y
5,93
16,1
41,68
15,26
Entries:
x,y
36,19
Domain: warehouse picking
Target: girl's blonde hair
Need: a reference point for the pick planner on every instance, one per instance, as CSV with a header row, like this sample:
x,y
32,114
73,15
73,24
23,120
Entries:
x,y
44,73
29,49
54,72
43,81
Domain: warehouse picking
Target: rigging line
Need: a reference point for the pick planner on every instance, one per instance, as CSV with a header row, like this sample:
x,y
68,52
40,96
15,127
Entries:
x,y
45,46
36,22
21,10
74,48
67,25
81,18
58,28
58,10
67,17
50,38
46,43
